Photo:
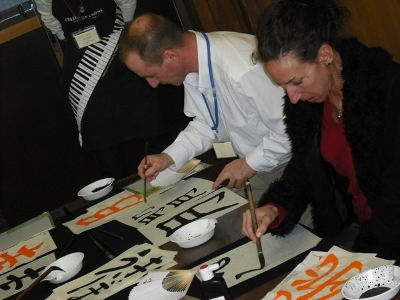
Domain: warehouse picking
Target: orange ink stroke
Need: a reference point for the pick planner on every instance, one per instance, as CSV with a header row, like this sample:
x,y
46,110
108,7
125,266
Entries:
x,y
23,251
110,210
285,294
316,283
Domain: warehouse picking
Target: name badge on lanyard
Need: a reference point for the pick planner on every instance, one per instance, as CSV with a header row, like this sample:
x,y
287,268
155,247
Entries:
x,y
222,148
85,37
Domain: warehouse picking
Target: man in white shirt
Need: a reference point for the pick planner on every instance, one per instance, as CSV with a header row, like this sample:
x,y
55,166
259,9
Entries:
x,y
244,113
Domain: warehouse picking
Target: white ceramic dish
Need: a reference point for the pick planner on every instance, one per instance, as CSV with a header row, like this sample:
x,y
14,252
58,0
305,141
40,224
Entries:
x,y
194,233
380,283
97,189
71,264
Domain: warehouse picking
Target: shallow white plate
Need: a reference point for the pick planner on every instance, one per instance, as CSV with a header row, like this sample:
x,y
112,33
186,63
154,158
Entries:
x,y
97,189
380,283
194,233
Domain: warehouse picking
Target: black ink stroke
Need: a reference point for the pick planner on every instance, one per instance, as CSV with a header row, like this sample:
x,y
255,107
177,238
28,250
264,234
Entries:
x,y
237,276
182,221
32,274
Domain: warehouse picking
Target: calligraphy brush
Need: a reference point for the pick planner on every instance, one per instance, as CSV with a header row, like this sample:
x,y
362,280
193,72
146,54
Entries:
x,y
38,280
146,149
249,193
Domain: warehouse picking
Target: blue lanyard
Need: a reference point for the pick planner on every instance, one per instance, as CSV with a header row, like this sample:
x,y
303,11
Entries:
x,y
215,123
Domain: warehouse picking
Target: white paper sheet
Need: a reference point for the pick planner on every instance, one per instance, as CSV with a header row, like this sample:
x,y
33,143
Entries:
x,y
104,211
188,201
165,180
167,177
19,279
121,272
242,262
200,167
53,296
322,274
26,251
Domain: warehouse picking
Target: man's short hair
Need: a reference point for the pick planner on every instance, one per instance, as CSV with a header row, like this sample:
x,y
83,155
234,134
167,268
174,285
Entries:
x,y
150,39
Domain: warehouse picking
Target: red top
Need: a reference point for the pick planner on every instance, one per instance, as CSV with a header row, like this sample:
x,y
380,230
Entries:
x,y
336,150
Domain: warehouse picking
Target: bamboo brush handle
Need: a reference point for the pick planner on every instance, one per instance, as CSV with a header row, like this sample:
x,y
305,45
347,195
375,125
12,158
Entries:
x,y
251,204
33,284
146,150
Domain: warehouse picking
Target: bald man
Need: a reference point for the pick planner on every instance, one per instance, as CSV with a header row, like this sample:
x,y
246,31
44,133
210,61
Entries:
x,y
235,107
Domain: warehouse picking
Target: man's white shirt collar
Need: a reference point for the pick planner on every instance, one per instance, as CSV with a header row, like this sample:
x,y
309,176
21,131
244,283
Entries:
x,y
201,80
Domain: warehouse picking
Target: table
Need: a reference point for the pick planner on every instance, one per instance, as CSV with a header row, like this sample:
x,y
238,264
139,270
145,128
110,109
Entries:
x,y
227,232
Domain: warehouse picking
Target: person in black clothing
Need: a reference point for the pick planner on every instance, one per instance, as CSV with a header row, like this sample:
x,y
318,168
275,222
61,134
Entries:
x,y
341,109
110,103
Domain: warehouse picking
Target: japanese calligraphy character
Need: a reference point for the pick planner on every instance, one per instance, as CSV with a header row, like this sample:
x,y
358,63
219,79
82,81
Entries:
x,y
33,274
328,281
110,210
179,220
13,259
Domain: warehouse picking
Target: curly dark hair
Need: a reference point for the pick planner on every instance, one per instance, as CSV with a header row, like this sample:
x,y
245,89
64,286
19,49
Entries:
x,y
299,28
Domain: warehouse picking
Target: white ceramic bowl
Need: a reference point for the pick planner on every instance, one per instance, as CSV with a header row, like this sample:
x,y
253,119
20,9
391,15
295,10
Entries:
x,y
97,189
194,233
71,264
380,283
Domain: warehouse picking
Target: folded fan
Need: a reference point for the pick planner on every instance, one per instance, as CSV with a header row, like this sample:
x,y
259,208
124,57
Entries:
x,y
165,284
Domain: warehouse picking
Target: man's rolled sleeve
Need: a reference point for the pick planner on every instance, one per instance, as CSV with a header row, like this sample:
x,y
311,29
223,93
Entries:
x,y
179,154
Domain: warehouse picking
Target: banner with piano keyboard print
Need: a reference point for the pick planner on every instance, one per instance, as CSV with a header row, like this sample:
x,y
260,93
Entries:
x,y
94,63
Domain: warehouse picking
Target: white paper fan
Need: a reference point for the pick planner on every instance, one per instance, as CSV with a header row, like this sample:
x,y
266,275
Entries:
x,y
163,285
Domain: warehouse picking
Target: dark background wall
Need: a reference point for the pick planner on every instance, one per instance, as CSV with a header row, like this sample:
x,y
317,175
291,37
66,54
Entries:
x,y
42,166
374,22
